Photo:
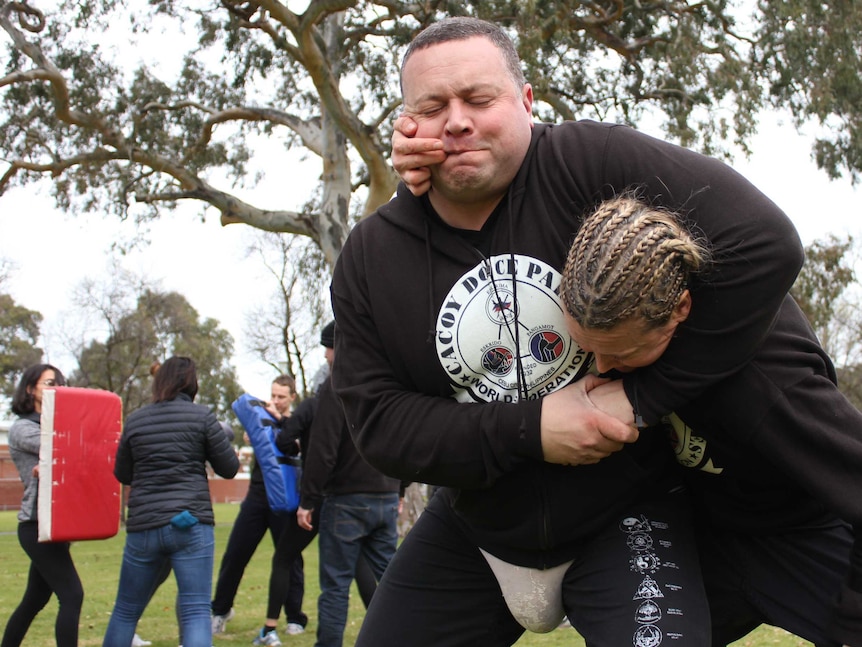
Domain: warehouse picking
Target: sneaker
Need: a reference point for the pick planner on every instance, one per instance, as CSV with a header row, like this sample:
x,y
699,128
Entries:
x,y
137,641
294,629
220,622
268,639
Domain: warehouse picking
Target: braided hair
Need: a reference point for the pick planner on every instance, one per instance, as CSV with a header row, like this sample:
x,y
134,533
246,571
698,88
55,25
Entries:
x,y
629,260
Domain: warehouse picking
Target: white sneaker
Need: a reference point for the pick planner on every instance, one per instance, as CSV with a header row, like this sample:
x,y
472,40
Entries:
x,y
220,622
294,629
269,639
137,641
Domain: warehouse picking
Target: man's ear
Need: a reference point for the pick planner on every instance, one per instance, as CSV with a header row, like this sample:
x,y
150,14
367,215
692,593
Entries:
x,y
527,99
682,308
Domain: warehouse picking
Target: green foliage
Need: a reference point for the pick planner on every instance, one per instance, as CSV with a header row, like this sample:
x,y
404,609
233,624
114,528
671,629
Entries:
x,y
145,326
810,54
824,277
19,332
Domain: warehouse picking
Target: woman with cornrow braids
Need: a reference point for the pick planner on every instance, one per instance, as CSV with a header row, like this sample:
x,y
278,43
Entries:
x,y
771,454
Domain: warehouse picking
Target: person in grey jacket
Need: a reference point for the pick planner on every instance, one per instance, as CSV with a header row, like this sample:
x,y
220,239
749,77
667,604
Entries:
x,y
163,454
52,571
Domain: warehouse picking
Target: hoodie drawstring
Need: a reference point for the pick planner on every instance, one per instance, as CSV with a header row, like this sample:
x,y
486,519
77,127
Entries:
x,y
432,329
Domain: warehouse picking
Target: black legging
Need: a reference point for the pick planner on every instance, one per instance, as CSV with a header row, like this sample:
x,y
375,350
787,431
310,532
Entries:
x,y
292,542
51,572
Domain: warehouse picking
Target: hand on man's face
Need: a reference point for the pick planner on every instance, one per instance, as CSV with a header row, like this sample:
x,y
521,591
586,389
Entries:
x,y
412,156
462,94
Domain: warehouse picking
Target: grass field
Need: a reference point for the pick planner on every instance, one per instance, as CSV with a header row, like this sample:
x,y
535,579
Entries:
x,y
98,564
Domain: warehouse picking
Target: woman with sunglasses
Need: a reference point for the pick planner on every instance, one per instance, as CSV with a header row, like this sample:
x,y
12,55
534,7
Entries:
x,y
52,571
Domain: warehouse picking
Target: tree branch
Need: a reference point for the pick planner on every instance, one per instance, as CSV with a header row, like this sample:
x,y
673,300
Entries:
x,y
307,129
47,71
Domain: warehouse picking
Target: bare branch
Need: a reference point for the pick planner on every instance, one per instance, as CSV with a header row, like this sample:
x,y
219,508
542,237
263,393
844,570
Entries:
x,y
29,17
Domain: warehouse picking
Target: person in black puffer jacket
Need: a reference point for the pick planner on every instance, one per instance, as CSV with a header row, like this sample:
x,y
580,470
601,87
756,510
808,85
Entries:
x,y
162,455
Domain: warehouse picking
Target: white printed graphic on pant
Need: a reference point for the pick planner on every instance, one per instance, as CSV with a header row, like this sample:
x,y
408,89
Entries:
x,y
644,538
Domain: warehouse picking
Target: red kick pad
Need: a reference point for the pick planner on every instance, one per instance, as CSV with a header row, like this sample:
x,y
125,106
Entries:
x,y
79,497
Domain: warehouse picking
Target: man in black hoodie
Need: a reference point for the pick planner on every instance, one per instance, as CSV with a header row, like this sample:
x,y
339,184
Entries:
x,y
358,510
458,370
292,437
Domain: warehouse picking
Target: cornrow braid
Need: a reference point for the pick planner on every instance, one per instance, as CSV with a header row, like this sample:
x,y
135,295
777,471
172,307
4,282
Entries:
x,y
628,260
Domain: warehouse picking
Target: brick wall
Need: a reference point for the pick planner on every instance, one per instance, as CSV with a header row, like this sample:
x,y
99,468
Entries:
x,y
11,488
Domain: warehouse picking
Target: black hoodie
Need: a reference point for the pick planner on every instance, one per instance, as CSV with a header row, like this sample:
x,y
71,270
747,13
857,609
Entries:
x,y
443,358
776,448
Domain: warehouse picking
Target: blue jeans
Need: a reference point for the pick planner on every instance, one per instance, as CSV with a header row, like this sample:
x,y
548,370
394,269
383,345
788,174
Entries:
x,y
351,525
190,554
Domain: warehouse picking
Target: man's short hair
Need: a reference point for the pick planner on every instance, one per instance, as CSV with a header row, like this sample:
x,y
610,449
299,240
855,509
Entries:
x,y
462,28
286,380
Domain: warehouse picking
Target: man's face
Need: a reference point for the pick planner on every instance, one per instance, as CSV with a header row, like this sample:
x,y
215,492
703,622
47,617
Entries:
x,y
462,93
282,397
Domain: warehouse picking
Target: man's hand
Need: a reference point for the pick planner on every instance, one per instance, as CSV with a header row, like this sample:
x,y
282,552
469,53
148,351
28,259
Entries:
x,y
303,518
411,156
273,410
575,431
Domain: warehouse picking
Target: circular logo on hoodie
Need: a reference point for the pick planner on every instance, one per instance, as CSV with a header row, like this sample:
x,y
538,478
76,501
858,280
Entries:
x,y
501,335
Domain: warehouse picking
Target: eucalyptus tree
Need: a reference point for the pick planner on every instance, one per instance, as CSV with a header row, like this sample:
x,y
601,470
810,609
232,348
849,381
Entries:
x,y
19,333
129,326
829,294
821,289
133,106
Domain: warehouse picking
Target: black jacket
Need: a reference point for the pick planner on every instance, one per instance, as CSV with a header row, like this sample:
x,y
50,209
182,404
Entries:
x,y
777,448
162,455
293,433
426,345
332,466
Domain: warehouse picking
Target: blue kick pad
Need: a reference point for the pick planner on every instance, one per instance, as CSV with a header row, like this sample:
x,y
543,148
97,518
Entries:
x,y
281,473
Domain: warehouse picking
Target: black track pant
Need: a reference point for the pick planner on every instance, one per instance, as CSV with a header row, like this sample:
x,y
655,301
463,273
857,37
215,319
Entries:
x,y
636,583
790,580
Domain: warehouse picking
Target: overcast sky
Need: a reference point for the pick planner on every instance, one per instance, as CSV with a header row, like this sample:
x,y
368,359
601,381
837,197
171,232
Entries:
x,y
205,262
